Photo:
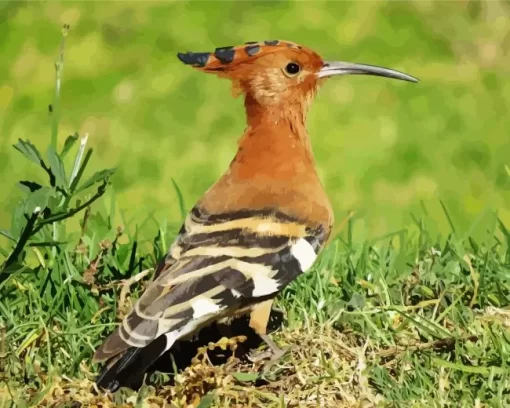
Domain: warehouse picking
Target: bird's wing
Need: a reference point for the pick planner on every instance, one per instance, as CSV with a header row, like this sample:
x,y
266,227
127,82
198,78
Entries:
x,y
216,264
172,255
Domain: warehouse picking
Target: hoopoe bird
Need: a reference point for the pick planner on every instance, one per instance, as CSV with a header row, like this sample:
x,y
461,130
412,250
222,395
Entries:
x,y
259,227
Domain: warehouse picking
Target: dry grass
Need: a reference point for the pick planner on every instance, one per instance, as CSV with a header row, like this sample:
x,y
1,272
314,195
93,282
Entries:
x,y
323,368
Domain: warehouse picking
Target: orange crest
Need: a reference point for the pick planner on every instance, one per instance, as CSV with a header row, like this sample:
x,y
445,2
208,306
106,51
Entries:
x,y
258,68
225,57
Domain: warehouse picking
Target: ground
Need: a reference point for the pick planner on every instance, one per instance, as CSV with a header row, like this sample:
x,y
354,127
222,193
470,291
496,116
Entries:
x,y
368,326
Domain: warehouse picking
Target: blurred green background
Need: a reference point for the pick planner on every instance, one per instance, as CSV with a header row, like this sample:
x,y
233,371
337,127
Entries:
x,y
386,149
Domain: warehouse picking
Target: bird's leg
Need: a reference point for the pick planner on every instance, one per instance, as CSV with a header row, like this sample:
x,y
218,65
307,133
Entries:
x,y
277,352
259,318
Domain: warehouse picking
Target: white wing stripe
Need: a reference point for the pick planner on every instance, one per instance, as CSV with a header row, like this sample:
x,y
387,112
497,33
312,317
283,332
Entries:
x,y
303,252
203,306
264,285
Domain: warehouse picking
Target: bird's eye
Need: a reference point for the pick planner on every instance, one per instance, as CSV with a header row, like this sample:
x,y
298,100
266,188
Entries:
x,y
292,69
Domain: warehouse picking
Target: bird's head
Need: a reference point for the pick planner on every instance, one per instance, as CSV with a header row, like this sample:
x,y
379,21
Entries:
x,y
276,72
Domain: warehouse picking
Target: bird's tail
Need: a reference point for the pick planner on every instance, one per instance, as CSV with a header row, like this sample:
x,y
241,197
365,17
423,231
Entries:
x,y
129,370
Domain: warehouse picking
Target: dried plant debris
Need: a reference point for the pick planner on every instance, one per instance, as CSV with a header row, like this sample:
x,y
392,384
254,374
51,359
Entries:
x,y
323,368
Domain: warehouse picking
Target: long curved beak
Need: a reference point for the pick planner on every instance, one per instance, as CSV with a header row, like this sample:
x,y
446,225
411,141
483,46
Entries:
x,y
349,68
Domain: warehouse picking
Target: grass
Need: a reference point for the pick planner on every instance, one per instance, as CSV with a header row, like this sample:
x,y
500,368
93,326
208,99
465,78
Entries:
x,y
420,323
406,319
384,148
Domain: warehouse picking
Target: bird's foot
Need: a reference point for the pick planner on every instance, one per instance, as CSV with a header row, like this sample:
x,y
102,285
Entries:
x,y
273,354
276,355
258,356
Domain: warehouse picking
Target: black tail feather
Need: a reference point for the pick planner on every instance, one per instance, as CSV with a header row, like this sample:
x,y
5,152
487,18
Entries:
x,y
130,370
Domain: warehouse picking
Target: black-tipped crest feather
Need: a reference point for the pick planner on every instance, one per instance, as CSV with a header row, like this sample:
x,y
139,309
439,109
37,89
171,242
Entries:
x,y
228,54
194,58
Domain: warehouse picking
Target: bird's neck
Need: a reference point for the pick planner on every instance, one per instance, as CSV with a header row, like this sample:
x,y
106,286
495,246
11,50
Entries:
x,y
276,143
274,167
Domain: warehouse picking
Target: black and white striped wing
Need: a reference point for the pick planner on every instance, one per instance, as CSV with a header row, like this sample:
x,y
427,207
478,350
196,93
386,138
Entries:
x,y
216,265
